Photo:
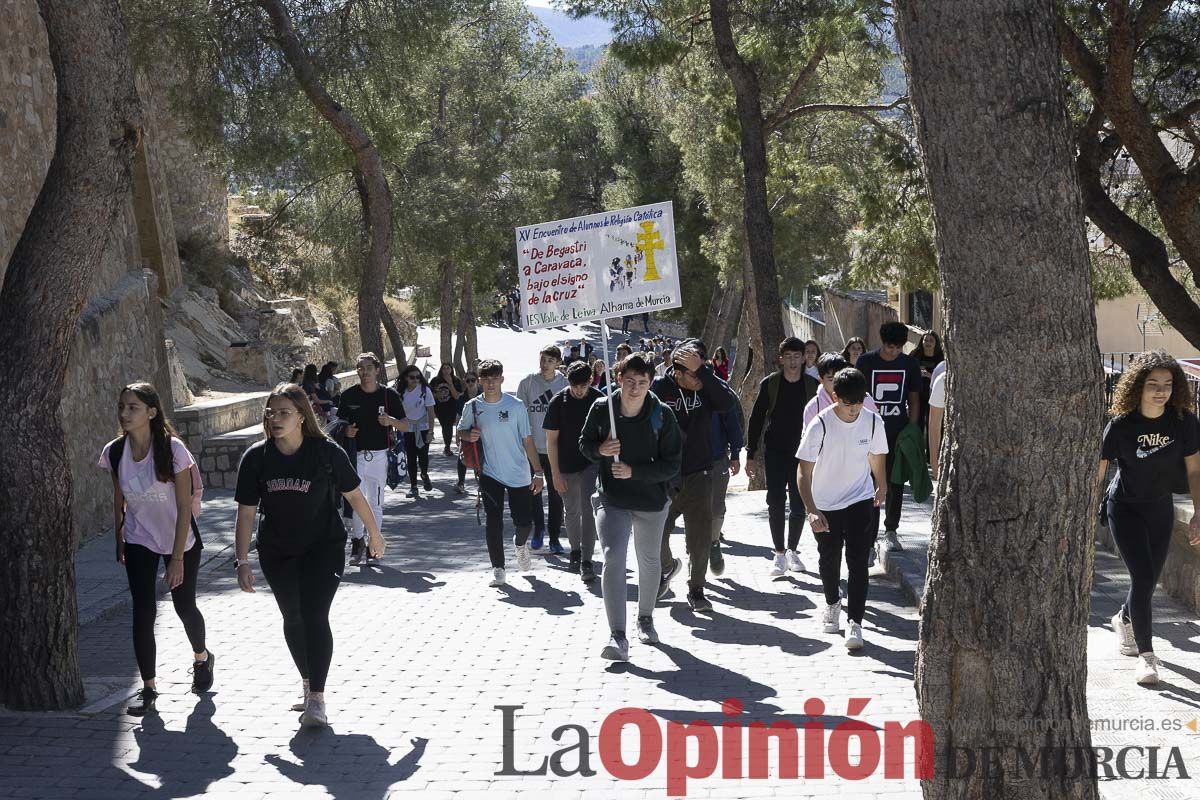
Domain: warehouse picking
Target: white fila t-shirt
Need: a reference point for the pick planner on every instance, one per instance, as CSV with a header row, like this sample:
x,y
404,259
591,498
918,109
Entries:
x,y
842,475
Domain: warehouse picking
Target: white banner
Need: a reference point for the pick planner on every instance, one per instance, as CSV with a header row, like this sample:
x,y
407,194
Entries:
x,y
612,264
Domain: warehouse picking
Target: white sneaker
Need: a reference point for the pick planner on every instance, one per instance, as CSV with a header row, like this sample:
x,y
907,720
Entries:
x,y
1147,669
497,577
830,617
524,557
778,566
854,639
314,713
793,561
1126,644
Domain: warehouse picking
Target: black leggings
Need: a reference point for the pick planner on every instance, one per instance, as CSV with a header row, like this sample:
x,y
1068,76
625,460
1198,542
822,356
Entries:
x,y
1142,532
520,507
304,587
855,527
141,567
782,469
447,424
417,456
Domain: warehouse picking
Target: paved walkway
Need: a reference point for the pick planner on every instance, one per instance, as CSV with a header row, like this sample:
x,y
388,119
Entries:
x,y
1123,714
424,653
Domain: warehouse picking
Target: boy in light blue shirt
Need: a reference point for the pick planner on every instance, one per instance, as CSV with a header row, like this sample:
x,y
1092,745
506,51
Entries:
x,y
500,423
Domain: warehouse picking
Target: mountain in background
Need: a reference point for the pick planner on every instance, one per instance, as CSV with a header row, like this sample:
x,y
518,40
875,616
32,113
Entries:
x,y
571,33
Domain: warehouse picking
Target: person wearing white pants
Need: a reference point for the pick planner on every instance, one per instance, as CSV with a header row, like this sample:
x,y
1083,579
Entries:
x,y
372,471
370,408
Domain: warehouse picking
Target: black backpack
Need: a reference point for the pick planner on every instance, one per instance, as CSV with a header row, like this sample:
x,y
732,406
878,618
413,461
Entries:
x,y
116,449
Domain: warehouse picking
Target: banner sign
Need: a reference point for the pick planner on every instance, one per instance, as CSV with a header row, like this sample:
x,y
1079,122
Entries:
x,y
612,264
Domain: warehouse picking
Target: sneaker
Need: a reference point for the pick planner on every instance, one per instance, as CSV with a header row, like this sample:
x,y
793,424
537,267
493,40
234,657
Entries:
x,y
617,648
556,547
697,601
573,566
460,487
428,483
202,674
314,712
794,564
414,493
303,699
664,583
892,541
524,559
829,619
854,639
356,551
587,571
497,577
1126,644
144,703
535,541
1147,669
646,632
716,560
778,566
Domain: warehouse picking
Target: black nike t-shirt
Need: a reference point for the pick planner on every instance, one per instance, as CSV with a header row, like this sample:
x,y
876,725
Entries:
x,y
1148,453
362,409
299,506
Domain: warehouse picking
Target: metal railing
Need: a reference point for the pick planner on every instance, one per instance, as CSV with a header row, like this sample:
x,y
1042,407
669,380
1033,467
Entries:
x,y
1114,365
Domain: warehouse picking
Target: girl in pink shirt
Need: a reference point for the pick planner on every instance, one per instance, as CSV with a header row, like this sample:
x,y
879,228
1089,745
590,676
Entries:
x,y
827,366
156,495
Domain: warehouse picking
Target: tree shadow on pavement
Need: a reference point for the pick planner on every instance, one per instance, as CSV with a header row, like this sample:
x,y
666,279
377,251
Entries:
x,y
185,762
348,765
778,605
552,600
414,581
722,629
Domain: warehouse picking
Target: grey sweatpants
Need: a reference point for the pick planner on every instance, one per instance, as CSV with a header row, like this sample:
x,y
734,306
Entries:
x,y
615,525
577,510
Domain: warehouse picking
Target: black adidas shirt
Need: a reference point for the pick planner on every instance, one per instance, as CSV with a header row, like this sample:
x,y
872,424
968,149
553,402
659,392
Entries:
x,y
298,506
1148,453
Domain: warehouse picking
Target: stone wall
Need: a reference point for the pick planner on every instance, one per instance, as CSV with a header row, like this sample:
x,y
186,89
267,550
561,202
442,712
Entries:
x,y
196,185
27,122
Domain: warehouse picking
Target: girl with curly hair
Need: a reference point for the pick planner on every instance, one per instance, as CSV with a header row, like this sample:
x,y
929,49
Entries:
x,y
1153,436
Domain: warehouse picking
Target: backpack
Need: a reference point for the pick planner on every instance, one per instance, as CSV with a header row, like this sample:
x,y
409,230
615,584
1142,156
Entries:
x,y
116,449
773,382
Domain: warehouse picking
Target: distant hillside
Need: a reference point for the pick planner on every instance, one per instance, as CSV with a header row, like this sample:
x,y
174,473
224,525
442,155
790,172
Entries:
x,y
585,57
571,33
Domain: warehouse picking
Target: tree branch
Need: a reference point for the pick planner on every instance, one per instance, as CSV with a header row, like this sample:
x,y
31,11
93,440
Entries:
x,y
1082,60
1148,16
780,116
859,110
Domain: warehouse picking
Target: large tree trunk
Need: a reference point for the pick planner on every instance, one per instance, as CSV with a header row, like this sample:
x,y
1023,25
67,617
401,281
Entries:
x,y
90,175
728,315
446,317
714,313
472,327
757,213
393,332
377,196
750,353
465,322
1002,661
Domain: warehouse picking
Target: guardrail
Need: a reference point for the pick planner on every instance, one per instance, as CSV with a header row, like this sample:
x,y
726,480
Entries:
x,y
1114,364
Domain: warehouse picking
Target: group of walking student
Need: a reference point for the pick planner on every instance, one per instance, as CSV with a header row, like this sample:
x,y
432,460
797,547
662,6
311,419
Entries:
x,y
620,463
